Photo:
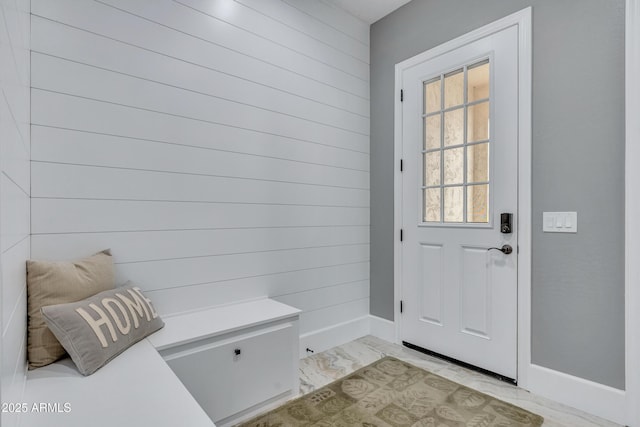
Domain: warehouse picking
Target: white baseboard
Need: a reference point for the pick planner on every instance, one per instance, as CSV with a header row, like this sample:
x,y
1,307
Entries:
x,y
588,396
382,328
341,333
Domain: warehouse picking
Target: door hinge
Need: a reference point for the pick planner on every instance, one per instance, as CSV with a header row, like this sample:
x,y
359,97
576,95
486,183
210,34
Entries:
x,y
401,235
401,307
401,95
401,165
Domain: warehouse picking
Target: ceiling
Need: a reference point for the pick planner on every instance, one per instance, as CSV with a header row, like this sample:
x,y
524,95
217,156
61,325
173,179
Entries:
x,y
369,10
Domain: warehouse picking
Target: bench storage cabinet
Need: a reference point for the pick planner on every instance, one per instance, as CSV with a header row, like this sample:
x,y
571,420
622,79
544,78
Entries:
x,y
232,361
235,360
136,388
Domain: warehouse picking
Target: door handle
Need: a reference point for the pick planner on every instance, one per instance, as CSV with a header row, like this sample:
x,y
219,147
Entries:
x,y
505,249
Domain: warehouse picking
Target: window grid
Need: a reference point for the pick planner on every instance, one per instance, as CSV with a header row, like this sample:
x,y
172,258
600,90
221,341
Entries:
x,y
466,104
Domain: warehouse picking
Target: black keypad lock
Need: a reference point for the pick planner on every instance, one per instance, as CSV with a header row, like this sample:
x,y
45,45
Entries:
x,y
506,226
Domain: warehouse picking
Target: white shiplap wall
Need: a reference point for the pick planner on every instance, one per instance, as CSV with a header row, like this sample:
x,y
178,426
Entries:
x,y
14,197
220,148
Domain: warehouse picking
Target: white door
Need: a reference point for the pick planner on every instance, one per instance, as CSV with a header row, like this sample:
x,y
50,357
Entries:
x,y
460,157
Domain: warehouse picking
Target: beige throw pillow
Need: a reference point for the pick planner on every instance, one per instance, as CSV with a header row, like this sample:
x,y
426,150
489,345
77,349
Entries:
x,y
49,283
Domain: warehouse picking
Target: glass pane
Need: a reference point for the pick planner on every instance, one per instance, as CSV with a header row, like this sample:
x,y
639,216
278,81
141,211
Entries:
x,y
432,168
478,163
432,132
478,203
478,82
454,127
478,122
453,204
454,89
432,97
454,166
432,205
466,164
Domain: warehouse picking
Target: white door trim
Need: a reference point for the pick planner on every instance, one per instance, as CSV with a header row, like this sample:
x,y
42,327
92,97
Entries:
x,y
632,211
522,20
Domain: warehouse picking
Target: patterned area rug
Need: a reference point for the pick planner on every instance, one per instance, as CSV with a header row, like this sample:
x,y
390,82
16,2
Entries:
x,y
392,393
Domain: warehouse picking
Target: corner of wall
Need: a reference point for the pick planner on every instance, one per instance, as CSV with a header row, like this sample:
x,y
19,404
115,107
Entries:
x,y
632,210
15,193
382,328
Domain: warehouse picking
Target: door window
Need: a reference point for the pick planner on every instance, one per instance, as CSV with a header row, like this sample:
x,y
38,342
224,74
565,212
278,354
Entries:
x,y
455,151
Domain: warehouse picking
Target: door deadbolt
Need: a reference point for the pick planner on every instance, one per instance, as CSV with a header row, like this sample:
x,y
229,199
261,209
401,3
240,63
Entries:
x,y
506,223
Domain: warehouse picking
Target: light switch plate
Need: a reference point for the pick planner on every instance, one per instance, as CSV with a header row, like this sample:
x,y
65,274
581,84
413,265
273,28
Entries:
x,y
560,222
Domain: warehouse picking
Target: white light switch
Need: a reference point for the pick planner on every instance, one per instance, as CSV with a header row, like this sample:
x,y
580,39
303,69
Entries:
x,y
560,222
567,222
548,221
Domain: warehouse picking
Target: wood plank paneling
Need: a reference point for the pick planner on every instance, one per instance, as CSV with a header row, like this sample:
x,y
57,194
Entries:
x,y
53,111
186,298
273,30
135,246
221,156
53,73
317,319
93,83
172,273
165,20
106,49
310,26
317,299
15,186
78,148
14,149
14,213
14,274
89,215
334,18
115,183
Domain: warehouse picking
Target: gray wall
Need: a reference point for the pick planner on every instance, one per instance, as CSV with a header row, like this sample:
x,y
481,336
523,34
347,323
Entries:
x,y
578,165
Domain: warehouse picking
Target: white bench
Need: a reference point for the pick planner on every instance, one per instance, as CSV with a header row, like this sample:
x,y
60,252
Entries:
x,y
234,360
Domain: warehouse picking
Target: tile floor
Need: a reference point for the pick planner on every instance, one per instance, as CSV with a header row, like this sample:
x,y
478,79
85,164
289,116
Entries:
x,y
320,369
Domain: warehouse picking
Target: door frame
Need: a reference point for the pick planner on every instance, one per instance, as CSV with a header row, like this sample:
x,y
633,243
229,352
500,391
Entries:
x,y
522,20
632,211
